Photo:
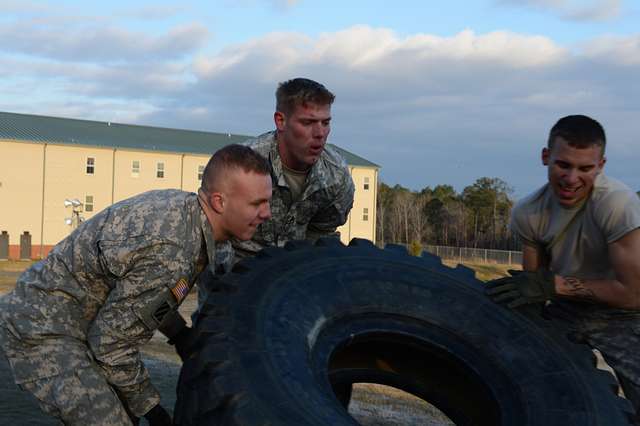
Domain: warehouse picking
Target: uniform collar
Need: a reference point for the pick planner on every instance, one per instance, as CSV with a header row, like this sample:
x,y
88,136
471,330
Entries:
x,y
315,181
207,233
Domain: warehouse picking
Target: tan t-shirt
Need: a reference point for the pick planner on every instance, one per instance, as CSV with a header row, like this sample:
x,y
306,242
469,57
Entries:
x,y
611,212
295,180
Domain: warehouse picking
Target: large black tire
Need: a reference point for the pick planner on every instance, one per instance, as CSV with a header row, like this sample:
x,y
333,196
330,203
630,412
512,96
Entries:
x,y
287,325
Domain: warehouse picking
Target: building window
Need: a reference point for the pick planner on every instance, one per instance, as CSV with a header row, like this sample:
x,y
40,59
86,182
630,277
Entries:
x,y
88,203
200,173
365,214
366,183
160,170
91,165
135,168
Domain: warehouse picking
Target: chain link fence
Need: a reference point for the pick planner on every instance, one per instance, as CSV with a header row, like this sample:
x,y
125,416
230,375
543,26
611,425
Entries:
x,y
476,255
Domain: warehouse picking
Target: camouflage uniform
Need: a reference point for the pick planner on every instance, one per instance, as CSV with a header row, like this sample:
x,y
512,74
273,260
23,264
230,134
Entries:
x,y
72,326
323,205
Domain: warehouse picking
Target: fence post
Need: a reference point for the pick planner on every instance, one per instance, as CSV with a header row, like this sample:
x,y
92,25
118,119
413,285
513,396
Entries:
x,y
510,257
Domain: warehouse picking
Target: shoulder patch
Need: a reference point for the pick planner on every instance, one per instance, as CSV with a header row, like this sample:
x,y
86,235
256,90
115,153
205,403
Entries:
x,y
180,290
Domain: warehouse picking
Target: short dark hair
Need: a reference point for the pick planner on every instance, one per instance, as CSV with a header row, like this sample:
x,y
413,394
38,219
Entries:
x,y
229,157
299,91
579,131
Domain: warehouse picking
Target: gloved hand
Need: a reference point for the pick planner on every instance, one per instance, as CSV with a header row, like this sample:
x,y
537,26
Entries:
x,y
522,288
158,416
175,328
184,341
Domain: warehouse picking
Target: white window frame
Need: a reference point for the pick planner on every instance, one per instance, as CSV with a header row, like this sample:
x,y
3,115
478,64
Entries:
x,y
200,172
135,168
88,203
90,168
366,183
365,214
160,170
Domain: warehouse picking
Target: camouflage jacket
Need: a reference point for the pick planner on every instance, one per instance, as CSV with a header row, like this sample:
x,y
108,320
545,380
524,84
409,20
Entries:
x,y
324,204
107,287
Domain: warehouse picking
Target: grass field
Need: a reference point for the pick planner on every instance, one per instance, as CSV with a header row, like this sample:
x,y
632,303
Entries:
x,y
487,271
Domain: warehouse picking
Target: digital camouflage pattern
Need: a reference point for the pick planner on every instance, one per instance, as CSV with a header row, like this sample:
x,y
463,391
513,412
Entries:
x,y
102,292
97,404
324,204
614,332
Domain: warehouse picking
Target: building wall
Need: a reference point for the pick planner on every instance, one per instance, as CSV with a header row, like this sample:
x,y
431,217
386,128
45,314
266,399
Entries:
x,y
20,190
362,219
127,183
37,178
66,178
190,178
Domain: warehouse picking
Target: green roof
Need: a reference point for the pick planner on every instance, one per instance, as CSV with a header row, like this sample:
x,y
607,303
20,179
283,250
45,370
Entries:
x,y
68,131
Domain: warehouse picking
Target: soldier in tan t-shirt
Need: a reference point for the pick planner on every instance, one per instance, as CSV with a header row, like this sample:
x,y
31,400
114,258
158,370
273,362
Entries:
x,y
581,249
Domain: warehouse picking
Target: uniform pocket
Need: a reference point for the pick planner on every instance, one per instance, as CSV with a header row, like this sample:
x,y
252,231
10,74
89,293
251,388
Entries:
x,y
118,257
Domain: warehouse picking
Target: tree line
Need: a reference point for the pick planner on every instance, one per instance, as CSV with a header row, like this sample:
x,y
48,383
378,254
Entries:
x,y
476,217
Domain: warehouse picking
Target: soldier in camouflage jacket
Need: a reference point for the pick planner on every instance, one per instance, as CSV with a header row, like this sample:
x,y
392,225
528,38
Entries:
x,y
312,187
72,326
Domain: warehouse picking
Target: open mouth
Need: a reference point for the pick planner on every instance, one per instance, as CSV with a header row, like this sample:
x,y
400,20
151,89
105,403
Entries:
x,y
568,192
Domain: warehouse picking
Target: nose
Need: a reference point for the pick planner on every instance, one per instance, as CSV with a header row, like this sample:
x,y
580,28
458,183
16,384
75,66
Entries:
x,y
319,130
265,214
571,176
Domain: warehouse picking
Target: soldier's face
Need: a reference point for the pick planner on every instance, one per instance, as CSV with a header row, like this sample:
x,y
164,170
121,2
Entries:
x,y
572,171
302,134
246,203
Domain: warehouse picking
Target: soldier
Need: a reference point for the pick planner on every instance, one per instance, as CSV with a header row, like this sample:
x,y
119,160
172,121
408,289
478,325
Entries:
x,y
72,326
312,186
581,246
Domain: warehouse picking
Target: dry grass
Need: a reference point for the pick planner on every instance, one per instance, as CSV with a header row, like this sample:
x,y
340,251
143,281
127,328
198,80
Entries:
x,y
379,405
9,272
486,271
14,265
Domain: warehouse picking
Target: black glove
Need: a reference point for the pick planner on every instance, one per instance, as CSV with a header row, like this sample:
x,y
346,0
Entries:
x,y
184,341
175,328
522,288
158,416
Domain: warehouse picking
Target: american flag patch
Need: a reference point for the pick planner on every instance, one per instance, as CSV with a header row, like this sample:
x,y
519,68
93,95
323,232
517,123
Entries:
x,y
180,290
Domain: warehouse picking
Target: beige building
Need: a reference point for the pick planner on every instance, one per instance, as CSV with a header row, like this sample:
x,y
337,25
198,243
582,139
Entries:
x,y
56,171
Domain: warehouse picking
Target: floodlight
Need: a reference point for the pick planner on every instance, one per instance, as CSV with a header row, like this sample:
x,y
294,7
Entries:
x,y
68,221
67,203
76,203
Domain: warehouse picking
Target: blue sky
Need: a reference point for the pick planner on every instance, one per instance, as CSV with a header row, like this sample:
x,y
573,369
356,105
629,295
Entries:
x,y
434,92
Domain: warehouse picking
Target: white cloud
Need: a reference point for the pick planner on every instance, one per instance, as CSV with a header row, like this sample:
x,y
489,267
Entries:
x,y
87,43
575,10
429,109
429,103
154,12
282,5
615,50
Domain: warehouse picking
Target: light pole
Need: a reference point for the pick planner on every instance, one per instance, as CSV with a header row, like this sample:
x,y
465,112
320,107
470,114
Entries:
x,y
76,209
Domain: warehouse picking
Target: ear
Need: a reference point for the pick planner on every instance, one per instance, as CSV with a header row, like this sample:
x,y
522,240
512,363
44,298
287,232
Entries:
x,y
601,164
217,202
279,119
545,156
